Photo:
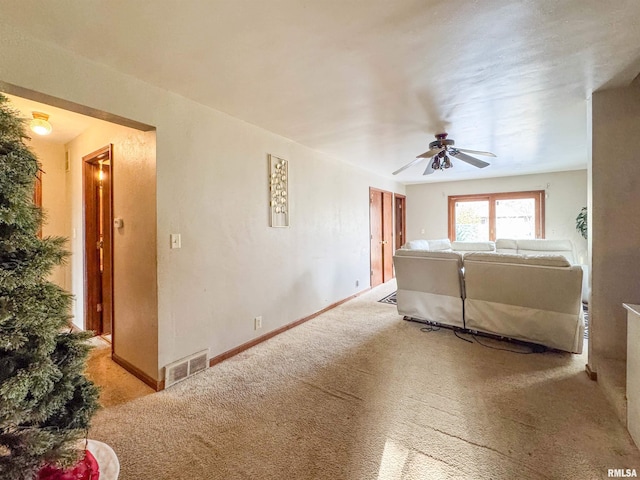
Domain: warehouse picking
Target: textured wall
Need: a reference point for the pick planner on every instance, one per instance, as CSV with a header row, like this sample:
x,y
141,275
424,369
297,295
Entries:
x,y
615,217
212,188
232,265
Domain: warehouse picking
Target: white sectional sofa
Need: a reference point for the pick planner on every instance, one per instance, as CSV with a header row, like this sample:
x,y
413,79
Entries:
x,y
533,298
537,246
542,246
445,245
430,286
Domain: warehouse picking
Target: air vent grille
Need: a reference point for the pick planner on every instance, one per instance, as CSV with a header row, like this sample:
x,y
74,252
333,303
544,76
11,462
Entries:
x,y
185,367
197,364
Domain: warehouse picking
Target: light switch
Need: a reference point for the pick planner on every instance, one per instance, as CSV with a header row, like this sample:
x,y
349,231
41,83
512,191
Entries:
x,y
175,240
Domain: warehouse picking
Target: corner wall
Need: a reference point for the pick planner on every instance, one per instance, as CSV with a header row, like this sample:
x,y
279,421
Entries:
x,y
615,222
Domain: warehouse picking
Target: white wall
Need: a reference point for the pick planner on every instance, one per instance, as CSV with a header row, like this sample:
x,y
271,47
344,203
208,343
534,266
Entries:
x,y
232,265
212,189
566,194
54,201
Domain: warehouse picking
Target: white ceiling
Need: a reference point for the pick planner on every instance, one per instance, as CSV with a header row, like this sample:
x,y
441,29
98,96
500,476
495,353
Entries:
x,y
370,81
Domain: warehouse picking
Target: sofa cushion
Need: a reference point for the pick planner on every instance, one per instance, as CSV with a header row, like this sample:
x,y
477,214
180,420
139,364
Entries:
x,y
545,245
539,260
473,246
416,245
537,246
506,245
428,254
441,244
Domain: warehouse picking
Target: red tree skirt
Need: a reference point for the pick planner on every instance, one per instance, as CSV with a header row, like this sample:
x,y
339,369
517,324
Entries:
x,y
85,469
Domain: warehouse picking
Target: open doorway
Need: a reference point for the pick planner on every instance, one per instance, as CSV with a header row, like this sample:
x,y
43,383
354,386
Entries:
x,y
98,228
112,270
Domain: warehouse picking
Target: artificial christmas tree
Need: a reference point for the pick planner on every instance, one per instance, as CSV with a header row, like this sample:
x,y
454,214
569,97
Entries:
x,y
46,402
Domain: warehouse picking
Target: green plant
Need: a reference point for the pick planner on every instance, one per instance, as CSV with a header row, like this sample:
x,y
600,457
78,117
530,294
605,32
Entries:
x,y
581,222
46,402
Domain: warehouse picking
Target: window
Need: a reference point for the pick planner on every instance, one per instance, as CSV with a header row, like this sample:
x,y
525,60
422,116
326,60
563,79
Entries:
x,y
496,215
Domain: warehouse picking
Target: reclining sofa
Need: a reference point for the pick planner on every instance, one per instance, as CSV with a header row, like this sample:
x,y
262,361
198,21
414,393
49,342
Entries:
x,y
541,246
537,246
529,298
430,286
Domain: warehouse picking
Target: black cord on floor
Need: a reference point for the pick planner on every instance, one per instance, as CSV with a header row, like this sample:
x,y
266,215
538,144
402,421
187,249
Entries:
x,y
430,328
455,332
534,349
434,327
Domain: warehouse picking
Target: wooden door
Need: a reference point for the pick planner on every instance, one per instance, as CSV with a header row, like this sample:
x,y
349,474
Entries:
x,y
98,221
381,235
375,226
401,218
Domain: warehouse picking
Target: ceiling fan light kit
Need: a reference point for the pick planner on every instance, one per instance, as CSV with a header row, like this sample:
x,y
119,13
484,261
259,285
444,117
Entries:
x,y
440,152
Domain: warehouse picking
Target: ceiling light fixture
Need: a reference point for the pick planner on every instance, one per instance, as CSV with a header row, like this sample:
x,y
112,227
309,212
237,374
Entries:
x,y
441,160
439,153
40,123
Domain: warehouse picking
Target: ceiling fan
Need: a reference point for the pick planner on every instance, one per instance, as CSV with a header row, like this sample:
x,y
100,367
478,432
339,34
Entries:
x,y
439,152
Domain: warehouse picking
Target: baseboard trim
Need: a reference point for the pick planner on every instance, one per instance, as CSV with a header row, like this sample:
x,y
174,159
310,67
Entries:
x,y
590,373
252,343
157,385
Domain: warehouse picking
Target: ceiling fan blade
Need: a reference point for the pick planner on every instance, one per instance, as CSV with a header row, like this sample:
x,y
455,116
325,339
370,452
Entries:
x,y
410,164
429,170
430,153
476,162
476,152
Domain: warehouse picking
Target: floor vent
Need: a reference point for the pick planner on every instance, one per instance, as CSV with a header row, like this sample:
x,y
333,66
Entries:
x,y
183,368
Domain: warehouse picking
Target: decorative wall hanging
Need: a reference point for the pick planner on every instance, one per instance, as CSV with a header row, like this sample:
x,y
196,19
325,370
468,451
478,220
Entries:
x,y
278,192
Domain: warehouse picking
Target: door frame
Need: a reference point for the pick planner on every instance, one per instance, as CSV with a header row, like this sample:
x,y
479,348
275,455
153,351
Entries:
x,y
387,236
89,210
400,217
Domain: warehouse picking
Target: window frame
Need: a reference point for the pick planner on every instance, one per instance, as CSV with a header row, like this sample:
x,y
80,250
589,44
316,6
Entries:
x,y
537,195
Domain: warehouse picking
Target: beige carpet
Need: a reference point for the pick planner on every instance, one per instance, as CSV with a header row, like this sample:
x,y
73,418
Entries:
x,y
358,393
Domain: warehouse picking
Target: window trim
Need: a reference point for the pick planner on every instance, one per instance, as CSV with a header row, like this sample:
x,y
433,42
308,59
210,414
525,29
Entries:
x,y
492,198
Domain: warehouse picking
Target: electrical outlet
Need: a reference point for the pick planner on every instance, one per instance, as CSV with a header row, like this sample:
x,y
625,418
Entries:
x,y
357,283
257,323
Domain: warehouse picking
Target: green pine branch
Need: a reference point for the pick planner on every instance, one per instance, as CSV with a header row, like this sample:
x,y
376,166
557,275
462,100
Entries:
x,y
46,402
